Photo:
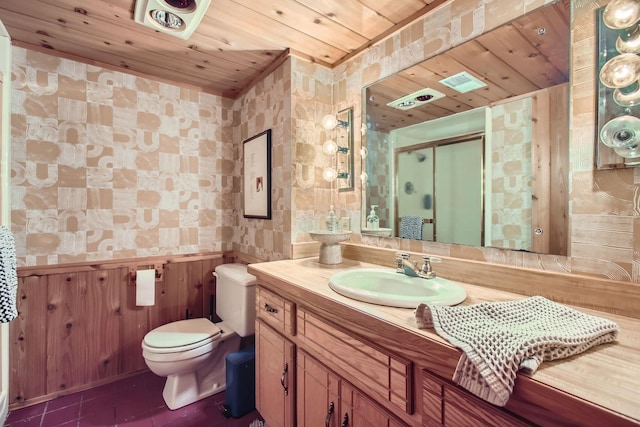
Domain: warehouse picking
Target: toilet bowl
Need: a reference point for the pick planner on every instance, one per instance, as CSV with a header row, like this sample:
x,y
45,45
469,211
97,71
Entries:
x,y
191,353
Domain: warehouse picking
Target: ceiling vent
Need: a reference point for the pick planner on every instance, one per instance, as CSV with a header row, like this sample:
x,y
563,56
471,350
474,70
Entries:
x,y
178,18
463,82
416,99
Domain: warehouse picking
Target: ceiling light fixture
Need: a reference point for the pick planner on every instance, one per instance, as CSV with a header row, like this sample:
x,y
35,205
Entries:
x,y
178,18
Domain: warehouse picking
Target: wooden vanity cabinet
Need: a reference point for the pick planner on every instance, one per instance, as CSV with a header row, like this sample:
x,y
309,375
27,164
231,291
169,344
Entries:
x,y
317,393
294,388
310,372
275,376
275,359
444,404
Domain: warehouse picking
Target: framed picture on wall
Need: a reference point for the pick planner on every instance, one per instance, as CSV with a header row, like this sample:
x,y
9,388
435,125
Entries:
x,y
256,176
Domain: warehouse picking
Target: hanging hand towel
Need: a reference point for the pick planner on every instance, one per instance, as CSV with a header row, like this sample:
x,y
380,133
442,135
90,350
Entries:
x,y
500,338
8,276
411,227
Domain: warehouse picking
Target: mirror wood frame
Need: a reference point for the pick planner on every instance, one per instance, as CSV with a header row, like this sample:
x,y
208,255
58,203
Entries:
x,y
552,58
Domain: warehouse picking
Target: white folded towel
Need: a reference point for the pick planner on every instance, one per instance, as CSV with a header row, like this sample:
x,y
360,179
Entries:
x,y
8,276
500,338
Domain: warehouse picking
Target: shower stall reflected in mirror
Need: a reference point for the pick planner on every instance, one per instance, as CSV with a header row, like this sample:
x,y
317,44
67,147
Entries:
x,y
440,191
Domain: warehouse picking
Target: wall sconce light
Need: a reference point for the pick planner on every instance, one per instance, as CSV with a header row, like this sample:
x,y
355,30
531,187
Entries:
x,y
341,148
619,83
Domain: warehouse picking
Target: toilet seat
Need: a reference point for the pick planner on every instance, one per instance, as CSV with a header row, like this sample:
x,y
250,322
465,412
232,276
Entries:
x,y
181,336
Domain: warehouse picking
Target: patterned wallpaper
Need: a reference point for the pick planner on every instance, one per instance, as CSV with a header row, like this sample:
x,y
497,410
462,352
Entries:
x,y
104,169
603,206
266,106
106,165
511,175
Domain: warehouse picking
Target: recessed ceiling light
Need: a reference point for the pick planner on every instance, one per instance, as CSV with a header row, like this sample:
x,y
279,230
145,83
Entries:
x,y
178,18
416,99
166,19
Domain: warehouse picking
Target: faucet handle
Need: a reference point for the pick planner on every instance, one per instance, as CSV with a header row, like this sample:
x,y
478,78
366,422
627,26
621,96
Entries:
x,y
400,258
426,266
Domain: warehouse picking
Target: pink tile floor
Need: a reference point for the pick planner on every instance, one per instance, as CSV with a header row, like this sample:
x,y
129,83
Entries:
x,y
132,402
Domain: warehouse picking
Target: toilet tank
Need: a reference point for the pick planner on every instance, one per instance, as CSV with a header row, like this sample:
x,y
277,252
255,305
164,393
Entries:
x,y
236,298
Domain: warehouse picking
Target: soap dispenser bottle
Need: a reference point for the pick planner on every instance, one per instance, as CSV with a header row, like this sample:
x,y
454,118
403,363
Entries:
x,y
373,222
332,221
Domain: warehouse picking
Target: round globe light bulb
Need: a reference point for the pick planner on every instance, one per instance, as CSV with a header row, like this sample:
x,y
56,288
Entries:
x,y
622,132
364,177
630,43
621,14
330,147
166,19
364,152
329,174
620,71
628,96
329,122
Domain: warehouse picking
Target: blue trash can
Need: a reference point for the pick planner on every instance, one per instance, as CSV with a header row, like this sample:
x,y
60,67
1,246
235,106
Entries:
x,y
240,396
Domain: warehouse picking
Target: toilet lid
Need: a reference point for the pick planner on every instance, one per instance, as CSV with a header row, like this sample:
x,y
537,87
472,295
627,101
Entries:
x,y
185,334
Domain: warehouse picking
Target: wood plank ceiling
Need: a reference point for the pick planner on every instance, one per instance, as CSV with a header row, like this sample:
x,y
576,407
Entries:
x,y
236,42
528,54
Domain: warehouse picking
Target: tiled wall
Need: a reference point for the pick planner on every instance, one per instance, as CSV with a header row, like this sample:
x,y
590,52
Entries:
x,y
106,165
511,175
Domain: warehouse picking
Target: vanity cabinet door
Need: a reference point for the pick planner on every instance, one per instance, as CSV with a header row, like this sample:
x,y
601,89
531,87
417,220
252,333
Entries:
x,y
318,394
464,409
357,410
275,377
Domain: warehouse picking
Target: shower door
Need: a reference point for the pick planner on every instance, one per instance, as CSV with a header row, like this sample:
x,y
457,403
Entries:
x,y
442,182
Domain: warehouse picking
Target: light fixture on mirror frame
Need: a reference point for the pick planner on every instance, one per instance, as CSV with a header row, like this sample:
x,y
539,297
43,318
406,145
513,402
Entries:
x,y
342,150
618,84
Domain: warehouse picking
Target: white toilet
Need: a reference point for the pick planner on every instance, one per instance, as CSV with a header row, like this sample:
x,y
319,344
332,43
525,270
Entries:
x,y
191,353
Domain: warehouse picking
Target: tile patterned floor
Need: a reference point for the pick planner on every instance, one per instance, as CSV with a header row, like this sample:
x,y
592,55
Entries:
x,y
132,402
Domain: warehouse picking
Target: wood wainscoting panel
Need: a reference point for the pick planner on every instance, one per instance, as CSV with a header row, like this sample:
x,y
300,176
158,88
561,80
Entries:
x,y
27,340
78,325
82,329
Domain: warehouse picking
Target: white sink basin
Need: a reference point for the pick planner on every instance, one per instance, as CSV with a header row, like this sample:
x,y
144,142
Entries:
x,y
386,287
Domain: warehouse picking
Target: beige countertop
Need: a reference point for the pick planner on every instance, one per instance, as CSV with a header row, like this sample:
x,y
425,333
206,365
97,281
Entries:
x,y
607,376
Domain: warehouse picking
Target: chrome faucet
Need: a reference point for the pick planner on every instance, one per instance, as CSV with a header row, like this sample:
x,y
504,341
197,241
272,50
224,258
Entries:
x,y
404,266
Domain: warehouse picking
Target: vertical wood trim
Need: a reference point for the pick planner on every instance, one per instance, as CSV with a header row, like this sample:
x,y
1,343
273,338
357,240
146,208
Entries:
x,y
27,337
134,324
102,322
66,332
540,178
559,203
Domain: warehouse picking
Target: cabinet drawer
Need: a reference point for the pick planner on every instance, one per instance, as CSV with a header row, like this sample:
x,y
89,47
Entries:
x,y
384,376
463,408
276,311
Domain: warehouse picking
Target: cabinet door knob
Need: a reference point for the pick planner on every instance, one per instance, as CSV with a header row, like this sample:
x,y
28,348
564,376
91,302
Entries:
x,y
283,377
270,309
327,421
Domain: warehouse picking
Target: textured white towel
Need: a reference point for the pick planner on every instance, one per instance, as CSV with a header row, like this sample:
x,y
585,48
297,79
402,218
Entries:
x,y
500,338
8,276
411,227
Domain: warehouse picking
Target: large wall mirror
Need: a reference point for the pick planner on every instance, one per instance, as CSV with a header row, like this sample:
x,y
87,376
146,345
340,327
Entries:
x,y
471,146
